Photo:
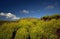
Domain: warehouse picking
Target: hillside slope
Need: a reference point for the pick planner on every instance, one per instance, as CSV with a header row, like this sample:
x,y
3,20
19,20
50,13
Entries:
x,y
47,27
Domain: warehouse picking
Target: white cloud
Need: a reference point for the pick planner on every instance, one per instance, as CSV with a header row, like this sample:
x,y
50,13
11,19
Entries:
x,y
2,14
25,11
50,7
9,15
16,18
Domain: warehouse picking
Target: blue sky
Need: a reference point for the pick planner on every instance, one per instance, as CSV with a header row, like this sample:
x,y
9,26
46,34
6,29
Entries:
x,y
16,9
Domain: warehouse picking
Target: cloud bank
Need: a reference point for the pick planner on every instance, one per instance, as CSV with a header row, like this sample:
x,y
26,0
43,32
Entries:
x,y
9,15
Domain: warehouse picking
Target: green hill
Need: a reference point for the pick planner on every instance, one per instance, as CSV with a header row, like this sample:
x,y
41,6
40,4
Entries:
x,y
47,27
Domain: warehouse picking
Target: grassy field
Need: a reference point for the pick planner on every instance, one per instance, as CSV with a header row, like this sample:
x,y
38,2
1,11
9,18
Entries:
x,y
46,27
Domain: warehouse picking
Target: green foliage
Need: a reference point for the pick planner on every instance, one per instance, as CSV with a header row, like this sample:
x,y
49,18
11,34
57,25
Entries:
x,y
31,28
55,16
21,34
